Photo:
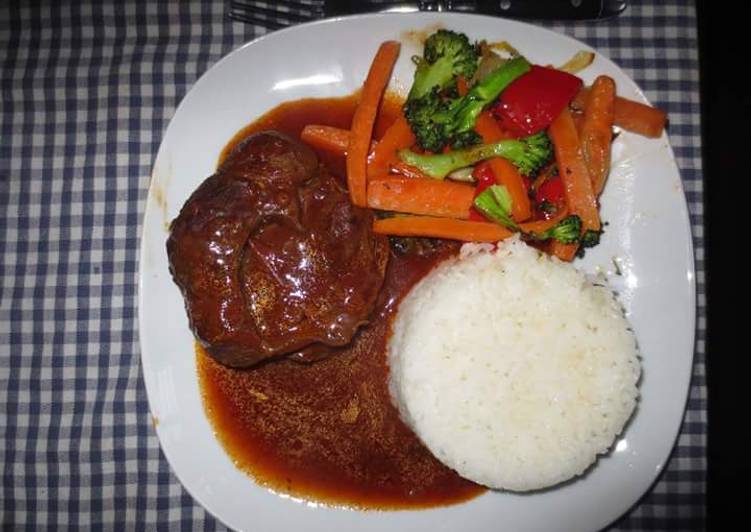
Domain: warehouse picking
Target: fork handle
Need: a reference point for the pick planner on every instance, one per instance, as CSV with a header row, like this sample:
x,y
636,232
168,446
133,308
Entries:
x,y
551,9
334,8
535,9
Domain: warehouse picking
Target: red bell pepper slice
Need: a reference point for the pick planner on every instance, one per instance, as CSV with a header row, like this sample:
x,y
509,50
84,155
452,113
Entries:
x,y
551,193
531,102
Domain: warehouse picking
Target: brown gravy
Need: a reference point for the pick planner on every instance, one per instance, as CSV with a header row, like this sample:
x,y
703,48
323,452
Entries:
x,y
328,431
292,117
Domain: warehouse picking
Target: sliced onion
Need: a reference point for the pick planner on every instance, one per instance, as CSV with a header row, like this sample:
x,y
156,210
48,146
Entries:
x,y
504,46
489,62
462,174
581,60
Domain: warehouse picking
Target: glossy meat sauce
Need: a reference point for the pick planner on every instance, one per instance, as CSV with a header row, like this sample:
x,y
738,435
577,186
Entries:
x,y
327,431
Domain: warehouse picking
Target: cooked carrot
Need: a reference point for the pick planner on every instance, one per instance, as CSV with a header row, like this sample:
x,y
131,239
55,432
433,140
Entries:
x,y
578,117
572,168
333,139
431,226
596,131
639,118
487,127
565,252
451,228
399,135
364,119
540,226
630,115
577,184
407,170
421,196
461,86
504,170
329,138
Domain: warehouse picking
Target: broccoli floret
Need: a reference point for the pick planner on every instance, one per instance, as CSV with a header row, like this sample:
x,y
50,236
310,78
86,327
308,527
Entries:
x,y
462,113
566,231
547,207
446,55
495,203
438,121
590,238
419,112
528,154
466,139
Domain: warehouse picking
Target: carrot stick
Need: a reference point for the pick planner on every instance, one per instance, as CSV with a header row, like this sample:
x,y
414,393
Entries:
x,y
421,196
572,168
399,135
596,131
540,226
364,119
504,170
630,115
461,86
434,227
578,117
577,184
565,252
451,228
639,118
327,138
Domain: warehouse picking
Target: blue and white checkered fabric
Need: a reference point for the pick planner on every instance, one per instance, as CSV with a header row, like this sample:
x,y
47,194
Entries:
x,y
87,91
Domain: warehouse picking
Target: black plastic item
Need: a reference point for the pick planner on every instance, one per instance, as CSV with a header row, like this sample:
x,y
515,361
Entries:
x,y
726,114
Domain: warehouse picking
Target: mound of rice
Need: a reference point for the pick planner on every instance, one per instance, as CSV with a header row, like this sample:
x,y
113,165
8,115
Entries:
x,y
513,368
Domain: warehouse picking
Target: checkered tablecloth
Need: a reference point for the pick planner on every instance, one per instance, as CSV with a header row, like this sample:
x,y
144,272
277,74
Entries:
x,y
87,92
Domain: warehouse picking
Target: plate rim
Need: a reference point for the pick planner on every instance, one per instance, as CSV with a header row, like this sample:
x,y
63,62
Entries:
x,y
687,226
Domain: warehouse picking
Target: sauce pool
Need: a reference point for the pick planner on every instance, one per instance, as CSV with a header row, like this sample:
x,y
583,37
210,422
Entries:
x,y
327,431
291,117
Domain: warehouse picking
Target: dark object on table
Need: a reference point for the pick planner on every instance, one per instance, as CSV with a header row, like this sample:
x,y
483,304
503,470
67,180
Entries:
x,y
277,15
272,258
726,111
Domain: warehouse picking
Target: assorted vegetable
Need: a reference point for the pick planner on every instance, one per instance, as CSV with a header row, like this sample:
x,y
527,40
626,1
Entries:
x,y
581,60
439,120
567,231
430,226
503,170
327,138
630,115
528,155
451,228
597,131
421,196
364,119
447,56
398,135
495,203
487,146
577,183
531,102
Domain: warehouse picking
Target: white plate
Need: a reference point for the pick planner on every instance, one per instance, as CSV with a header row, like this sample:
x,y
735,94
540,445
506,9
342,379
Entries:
x,y
648,234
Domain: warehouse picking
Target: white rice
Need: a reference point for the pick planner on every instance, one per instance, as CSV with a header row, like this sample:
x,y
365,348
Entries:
x,y
512,367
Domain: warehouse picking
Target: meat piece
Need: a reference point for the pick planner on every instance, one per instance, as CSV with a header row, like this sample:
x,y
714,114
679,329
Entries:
x,y
272,258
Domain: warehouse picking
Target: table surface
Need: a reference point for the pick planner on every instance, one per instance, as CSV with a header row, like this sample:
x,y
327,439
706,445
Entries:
x,y
87,92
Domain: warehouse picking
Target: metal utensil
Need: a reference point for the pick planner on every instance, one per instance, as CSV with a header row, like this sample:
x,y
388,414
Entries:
x,y
284,13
